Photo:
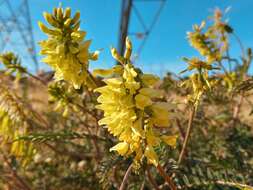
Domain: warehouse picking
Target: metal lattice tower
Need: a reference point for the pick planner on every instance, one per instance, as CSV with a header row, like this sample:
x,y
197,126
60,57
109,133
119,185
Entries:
x,y
16,30
130,10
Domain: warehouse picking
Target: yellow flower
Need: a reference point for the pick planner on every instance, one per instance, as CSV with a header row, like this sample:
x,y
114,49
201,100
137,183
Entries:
x,y
151,155
212,41
121,148
65,50
170,140
129,75
201,42
149,79
142,101
131,109
160,114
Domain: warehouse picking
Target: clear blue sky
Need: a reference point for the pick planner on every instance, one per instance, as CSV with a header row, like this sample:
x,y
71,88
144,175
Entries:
x,y
166,44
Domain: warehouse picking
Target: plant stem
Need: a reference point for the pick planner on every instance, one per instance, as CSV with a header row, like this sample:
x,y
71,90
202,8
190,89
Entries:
x,y
94,140
232,184
166,177
240,44
123,184
15,174
182,133
187,136
151,179
237,109
36,78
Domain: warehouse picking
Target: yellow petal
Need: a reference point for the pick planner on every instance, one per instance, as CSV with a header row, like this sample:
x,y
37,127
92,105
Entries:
x,y
149,79
151,155
152,139
160,114
116,55
114,82
170,140
121,148
137,128
150,92
103,72
142,101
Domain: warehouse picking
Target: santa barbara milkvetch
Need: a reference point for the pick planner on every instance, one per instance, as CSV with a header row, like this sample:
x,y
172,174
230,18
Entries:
x,y
133,109
65,50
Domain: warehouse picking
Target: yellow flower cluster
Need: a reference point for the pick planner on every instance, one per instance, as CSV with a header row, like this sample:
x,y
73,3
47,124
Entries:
x,y
65,49
13,125
131,112
202,42
200,84
213,42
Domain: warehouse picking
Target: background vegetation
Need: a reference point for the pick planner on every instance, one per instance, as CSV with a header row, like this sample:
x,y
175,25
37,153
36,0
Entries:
x,y
50,136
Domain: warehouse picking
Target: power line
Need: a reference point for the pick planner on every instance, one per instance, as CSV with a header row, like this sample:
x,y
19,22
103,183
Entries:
x,y
148,30
124,23
17,22
129,6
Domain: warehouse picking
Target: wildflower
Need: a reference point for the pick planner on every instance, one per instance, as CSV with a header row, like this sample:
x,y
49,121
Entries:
x,y
230,80
213,42
201,42
132,111
196,63
65,49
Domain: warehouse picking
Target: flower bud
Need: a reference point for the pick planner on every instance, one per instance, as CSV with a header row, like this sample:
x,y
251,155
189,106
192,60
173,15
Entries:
x,y
48,160
81,165
128,51
116,55
59,13
76,18
76,26
47,30
38,158
67,22
55,12
50,19
67,13
94,56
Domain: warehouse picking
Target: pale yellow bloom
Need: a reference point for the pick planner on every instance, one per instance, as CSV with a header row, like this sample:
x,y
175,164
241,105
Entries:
x,y
151,155
121,148
170,140
65,50
131,109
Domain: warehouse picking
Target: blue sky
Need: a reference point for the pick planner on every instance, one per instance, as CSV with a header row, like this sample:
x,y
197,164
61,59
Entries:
x,y
167,42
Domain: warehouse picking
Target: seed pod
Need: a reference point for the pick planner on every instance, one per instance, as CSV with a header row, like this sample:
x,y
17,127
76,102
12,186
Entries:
x,y
50,19
128,51
76,18
67,13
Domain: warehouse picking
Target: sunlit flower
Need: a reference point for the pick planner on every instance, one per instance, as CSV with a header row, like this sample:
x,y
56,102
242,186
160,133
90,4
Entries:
x,y
65,50
131,109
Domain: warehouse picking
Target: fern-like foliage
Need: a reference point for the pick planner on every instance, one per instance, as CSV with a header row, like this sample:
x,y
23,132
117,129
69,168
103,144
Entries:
x,y
14,123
